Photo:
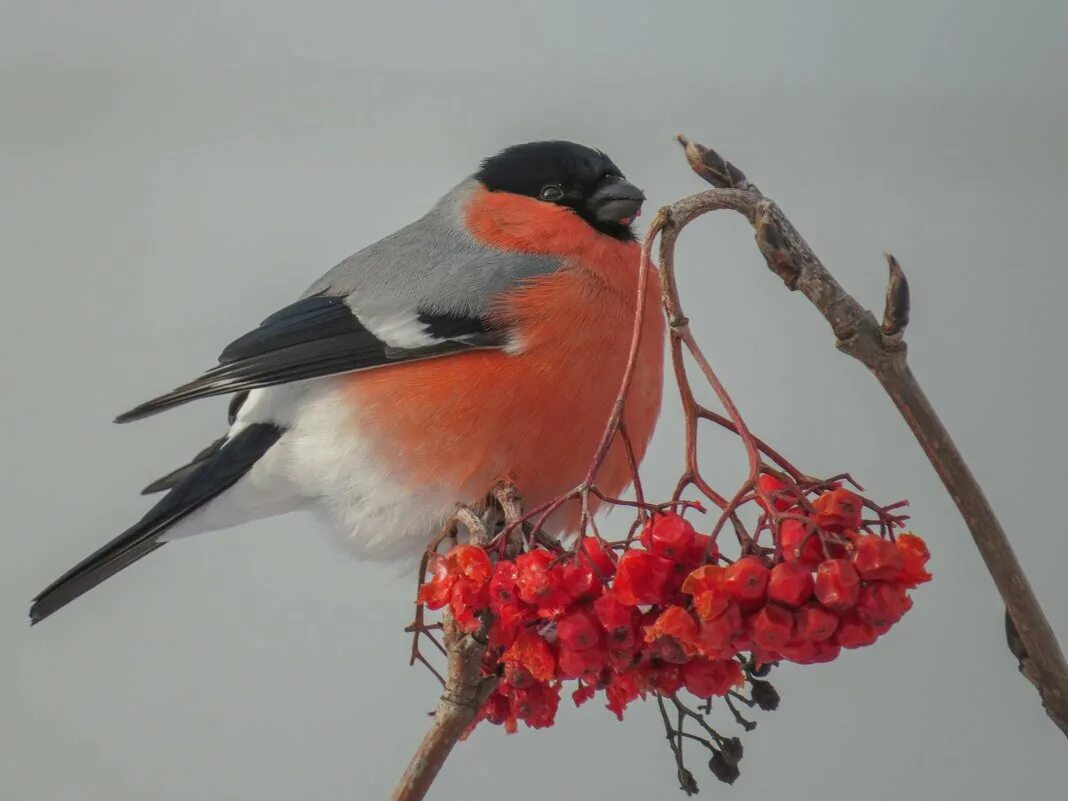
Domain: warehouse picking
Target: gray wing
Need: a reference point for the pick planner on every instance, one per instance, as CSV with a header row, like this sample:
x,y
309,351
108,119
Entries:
x,y
423,292
406,269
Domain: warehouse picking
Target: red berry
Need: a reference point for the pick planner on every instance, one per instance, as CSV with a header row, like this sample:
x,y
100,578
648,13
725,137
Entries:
x,y
814,623
771,627
599,557
668,535
621,690
470,562
516,677
578,581
668,650
811,653
838,509
641,578
747,579
508,621
617,620
704,579
709,605
703,550
761,655
708,586
705,678
676,624
876,558
826,651
798,545
496,710
610,613
803,652
663,678
837,584
914,555
743,642
882,604
533,653
790,584
535,581
855,633
436,592
770,485
586,664
583,694
536,705
466,600
502,584
716,636
578,631
623,659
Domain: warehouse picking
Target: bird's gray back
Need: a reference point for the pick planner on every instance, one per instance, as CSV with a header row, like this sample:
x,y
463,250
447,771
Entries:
x,y
432,264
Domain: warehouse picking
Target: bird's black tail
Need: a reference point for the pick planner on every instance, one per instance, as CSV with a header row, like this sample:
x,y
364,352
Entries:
x,y
215,474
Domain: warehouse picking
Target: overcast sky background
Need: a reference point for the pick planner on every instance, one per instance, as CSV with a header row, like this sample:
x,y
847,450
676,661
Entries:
x,y
172,173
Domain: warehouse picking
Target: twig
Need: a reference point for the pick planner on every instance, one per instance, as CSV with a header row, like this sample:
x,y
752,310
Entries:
x,y
880,348
466,689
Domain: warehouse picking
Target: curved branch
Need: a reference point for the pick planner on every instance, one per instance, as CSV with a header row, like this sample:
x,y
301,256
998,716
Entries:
x,y
880,348
466,689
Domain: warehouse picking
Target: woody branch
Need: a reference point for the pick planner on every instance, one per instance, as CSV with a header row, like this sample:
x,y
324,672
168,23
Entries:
x,y
879,346
465,688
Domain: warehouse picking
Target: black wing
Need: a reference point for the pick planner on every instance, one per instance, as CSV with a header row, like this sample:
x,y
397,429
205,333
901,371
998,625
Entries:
x,y
213,475
317,336
176,477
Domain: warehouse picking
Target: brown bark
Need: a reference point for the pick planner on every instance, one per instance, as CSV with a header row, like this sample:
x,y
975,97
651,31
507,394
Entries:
x,y
465,692
466,688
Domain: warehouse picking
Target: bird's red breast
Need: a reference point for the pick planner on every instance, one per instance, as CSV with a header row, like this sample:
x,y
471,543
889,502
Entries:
x,y
460,423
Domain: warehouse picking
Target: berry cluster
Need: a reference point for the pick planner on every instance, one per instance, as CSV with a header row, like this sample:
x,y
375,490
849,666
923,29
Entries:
x,y
666,611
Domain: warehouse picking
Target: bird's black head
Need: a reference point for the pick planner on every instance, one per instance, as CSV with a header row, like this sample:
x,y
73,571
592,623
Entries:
x,y
565,174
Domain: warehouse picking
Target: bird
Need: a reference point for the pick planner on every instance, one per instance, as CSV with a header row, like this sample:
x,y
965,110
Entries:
x,y
483,343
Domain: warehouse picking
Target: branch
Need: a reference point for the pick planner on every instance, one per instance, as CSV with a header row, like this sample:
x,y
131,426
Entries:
x,y
880,348
466,688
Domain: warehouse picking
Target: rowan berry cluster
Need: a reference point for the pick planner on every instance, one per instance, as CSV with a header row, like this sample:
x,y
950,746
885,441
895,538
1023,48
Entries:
x,y
666,611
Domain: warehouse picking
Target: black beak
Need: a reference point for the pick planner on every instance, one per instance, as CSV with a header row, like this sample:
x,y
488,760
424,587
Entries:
x,y
616,201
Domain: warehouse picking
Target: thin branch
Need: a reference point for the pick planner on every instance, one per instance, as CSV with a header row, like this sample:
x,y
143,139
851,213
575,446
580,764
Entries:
x,y
466,689
880,348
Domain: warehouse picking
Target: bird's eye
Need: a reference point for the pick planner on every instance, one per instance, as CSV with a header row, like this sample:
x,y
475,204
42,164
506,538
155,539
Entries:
x,y
552,192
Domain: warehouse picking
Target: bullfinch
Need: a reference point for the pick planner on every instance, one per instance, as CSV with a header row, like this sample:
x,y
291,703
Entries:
x,y
484,342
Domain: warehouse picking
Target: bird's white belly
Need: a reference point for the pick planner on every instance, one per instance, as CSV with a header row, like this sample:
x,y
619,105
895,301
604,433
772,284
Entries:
x,y
323,464
328,460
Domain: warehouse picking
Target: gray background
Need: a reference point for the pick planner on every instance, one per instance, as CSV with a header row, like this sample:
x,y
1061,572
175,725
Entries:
x,y
171,175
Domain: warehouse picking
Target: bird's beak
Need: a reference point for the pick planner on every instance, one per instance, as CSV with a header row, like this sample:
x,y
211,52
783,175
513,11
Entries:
x,y
616,201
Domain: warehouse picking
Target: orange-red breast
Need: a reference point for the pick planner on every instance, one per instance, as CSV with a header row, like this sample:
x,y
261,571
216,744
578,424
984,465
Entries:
x,y
484,341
